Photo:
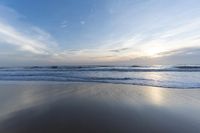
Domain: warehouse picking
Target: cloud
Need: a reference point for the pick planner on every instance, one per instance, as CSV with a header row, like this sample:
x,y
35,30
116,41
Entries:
x,y
37,43
119,50
9,14
82,22
28,38
64,24
181,52
147,45
179,56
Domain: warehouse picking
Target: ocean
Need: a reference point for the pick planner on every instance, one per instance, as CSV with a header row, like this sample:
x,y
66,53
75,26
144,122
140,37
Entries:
x,y
183,77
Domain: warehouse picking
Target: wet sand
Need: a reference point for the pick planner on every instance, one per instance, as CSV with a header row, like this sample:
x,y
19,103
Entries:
x,y
45,107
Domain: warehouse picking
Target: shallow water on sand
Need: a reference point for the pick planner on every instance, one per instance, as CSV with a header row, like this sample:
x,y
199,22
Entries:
x,y
45,107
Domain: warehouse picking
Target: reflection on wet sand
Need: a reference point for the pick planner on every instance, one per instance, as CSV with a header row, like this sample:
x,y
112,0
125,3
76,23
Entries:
x,y
155,95
33,107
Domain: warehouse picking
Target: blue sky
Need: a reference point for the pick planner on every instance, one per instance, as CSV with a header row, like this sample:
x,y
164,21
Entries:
x,y
68,32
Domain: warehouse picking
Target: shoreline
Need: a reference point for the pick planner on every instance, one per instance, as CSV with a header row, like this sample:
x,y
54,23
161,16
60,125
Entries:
x,y
7,82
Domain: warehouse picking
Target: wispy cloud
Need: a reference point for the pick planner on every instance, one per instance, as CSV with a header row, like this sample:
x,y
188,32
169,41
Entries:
x,y
182,51
37,45
29,38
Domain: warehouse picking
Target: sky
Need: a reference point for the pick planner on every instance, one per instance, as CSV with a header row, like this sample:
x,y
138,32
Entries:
x,y
103,32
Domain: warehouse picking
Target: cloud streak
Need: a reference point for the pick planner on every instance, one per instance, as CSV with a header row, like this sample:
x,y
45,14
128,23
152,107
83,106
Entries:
x,y
9,35
29,38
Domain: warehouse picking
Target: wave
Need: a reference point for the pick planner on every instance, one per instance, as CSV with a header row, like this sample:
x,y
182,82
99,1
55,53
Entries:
x,y
108,68
113,80
188,67
157,76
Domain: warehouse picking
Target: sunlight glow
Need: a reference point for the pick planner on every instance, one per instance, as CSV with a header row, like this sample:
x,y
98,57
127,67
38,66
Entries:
x,y
154,51
156,95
